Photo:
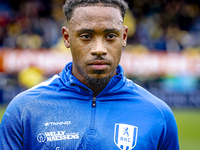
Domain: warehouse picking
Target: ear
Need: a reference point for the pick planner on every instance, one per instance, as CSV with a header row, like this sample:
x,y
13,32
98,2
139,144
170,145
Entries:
x,y
65,33
125,34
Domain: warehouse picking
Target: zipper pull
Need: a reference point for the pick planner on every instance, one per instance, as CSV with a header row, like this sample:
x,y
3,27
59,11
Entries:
x,y
94,102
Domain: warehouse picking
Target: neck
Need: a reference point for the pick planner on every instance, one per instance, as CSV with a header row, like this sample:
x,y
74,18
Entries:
x,y
95,90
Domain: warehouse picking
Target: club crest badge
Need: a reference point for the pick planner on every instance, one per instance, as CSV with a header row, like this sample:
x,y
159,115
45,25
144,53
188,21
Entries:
x,y
125,136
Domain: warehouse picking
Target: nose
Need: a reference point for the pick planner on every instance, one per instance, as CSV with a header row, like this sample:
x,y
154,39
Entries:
x,y
99,48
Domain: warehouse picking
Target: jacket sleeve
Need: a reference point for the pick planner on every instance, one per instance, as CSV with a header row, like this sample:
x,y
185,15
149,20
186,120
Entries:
x,y
11,129
169,136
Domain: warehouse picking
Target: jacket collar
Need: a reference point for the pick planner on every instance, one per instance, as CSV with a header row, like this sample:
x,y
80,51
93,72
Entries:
x,y
70,80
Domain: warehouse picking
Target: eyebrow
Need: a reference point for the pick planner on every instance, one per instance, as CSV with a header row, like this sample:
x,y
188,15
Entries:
x,y
112,30
92,31
85,30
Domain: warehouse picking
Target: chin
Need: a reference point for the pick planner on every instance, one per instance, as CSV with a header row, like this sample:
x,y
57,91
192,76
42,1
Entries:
x,y
98,80
98,72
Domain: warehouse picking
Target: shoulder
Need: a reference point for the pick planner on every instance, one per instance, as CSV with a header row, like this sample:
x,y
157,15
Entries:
x,y
149,99
28,97
169,136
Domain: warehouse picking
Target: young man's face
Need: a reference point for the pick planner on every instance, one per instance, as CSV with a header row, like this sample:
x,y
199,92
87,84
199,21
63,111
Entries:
x,y
96,36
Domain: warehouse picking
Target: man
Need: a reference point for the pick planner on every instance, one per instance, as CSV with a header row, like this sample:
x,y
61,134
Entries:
x,y
90,105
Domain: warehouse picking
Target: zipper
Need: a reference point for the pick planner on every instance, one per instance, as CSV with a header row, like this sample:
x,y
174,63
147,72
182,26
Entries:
x,y
93,112
94,102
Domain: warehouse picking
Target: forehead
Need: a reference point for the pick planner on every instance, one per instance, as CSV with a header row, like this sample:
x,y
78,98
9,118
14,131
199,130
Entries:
x,y
96,16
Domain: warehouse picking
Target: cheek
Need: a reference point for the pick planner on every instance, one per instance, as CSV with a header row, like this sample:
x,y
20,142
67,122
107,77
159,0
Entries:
x,y
117,57
77,55
117,53
76,50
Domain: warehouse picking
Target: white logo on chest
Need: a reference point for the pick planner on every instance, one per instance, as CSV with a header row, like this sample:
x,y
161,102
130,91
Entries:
x,y
57,123
56,136
125,136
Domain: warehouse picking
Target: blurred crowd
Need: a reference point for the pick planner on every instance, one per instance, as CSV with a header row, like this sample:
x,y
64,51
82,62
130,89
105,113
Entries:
x,y
171,25
167,25
30,24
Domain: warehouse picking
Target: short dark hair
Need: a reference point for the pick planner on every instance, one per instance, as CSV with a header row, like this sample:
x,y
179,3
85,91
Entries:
x,y
70,5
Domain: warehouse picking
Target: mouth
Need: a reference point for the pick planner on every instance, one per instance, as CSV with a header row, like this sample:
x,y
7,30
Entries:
x,y
99,65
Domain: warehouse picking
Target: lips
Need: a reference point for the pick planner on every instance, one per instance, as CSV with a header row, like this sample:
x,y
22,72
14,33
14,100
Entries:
x,y
99,65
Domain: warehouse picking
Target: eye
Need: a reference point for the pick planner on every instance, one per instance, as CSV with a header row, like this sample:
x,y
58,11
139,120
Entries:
x,y
86,36
111,36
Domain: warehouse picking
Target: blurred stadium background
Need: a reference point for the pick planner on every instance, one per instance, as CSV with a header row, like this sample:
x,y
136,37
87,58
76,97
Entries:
x,y
162,55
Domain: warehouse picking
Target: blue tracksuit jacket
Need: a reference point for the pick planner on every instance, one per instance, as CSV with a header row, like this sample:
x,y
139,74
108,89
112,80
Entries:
x,y
62,114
